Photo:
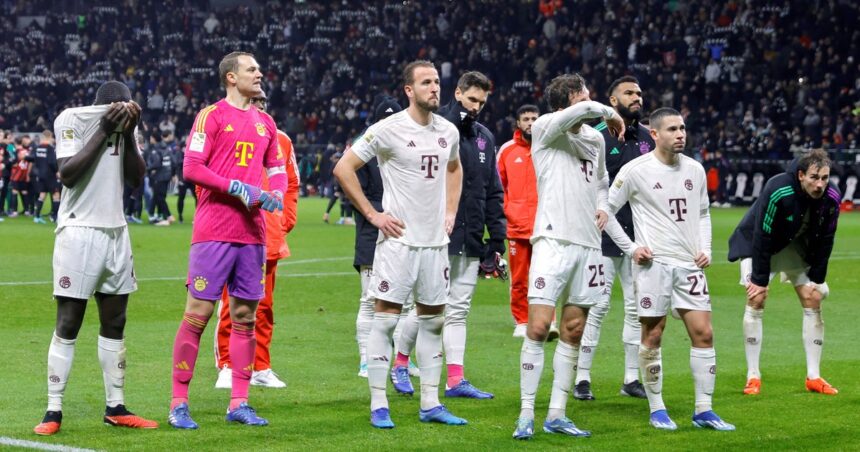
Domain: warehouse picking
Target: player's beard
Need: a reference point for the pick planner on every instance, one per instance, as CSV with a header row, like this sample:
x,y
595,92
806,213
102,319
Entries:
x,y
426,105
629,115
526,136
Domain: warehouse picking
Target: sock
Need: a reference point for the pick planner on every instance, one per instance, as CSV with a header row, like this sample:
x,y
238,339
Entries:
x,y
243,343
185,349
813,341
61,353
753,335
55,208
408,334
112,358
590,339
631,363
455,373
454,341
37,211
531,367
703,364
401,360
651,363
429,353
378,353
363,323
563,368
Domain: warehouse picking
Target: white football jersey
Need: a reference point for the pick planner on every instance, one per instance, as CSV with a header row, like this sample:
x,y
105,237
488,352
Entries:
x,y
96,199
571,174
669,204
413,162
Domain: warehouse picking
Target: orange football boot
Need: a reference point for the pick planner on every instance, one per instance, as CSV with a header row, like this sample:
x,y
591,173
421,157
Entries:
x,y
753,386
50,423
821,386
119,416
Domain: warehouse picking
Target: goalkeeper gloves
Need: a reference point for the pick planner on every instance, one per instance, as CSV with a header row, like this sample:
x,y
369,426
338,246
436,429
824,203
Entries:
x,y
493,266
271,201
248,194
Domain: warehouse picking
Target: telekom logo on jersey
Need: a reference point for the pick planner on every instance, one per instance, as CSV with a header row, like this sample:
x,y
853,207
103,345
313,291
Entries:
x,y
678,207
244,151
429,163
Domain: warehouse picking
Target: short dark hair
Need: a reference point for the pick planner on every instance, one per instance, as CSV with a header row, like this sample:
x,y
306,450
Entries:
x,y
230,63
558,91
112,91
815,157
620,80
527,108
474,78
409,71
660,113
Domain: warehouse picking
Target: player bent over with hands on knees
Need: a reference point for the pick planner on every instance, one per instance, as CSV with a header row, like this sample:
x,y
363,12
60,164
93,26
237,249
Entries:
x,y
228,148
97,154
569,163
789,230
418,156
667,193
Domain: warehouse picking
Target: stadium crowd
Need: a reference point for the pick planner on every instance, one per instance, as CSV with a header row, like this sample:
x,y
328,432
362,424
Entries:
x,y
754,80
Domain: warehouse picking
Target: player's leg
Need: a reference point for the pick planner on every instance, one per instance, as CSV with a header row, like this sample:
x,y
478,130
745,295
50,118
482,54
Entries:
x,y
519,259
631,332
180,200
430,296
209,263
39,192
753,330
55,203
263,374
604,273
463,279
364,319
404,338
573,319
222,342
654,288
811,296
246,288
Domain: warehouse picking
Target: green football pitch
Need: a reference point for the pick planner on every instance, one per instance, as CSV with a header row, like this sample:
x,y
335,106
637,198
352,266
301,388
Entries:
x,y
325,405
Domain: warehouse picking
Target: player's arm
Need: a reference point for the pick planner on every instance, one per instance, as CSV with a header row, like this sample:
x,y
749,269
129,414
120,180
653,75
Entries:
x,y
133,166
703,258
770,208
601,216
345,172
579,113
503,169
819,250
291,197
453,189
619,194
74,167
494,216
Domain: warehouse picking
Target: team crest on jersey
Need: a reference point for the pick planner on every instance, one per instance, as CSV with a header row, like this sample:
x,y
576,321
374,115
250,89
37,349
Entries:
x,y
261,129
643,147
200,283
482,143
443,143
688,184
540,283
384,286
713,370
65,282
645,303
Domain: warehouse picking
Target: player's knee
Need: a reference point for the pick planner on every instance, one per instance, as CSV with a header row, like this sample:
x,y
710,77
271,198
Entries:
x,y
537,331
756,302
68,327
113,327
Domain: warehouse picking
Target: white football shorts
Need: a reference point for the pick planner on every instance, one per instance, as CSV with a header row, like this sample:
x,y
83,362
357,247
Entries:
x,y
399,268
559,268
88,260
660,288
788,263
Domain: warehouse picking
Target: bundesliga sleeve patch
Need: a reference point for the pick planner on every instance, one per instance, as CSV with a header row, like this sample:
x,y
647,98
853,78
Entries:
x,y
198,142
67,139
618,183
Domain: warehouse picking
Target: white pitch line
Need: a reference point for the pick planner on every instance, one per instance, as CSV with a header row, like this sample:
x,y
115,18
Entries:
x,y
180,278
311,261
6,441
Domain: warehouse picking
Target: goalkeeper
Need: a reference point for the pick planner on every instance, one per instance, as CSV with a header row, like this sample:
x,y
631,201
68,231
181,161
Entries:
x,y
229,146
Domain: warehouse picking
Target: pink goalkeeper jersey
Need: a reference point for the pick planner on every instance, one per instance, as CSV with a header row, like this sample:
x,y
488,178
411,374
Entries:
x,y
233,144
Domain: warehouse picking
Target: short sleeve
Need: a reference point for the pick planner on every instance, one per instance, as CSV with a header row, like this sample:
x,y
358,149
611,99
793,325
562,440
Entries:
x,y
455,146
619,191
366,147
69,139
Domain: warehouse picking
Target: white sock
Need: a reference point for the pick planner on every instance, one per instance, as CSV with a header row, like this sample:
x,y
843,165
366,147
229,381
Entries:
x,y
703,364
429,355
813,341
379,357
61,353
408,334
454,340
112,359
590,339
531,367
651,363
631,363
753,335
363,324
564,368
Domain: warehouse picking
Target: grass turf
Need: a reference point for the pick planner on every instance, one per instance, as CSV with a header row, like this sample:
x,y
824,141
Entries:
x,y
325,405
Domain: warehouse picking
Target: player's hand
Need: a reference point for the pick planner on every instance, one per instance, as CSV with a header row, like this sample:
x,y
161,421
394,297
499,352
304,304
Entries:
x,y
450,219
601,219
390,226
616,126
248,194
642,255
133,119
271,201
756,293
702,260
113,117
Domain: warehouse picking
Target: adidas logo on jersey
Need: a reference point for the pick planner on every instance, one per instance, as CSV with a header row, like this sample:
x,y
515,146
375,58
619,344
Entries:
x,y
229,128
614,151
657,186
549,227
518,160
411,144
